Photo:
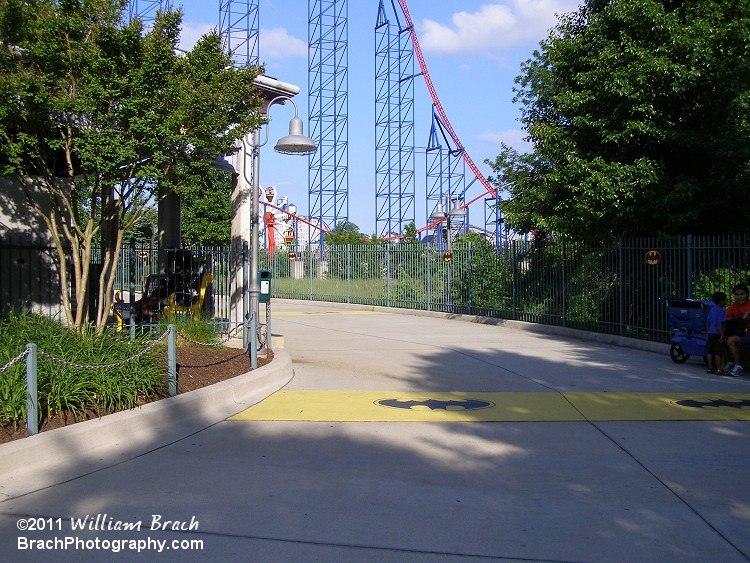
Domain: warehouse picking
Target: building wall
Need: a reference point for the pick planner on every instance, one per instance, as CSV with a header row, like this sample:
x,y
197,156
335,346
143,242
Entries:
x,y
29,263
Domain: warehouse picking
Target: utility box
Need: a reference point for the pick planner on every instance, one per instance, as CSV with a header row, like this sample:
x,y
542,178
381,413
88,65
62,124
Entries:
x,y
264,281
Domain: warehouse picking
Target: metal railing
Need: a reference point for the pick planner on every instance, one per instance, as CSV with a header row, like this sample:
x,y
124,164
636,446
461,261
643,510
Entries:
x,y
616,289
620,288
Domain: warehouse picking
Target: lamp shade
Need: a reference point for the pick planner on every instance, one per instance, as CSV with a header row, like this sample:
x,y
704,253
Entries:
x,y
295,142
438,214
457,211
221,163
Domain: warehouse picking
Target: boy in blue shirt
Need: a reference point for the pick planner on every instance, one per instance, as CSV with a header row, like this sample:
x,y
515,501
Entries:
x,y
716,321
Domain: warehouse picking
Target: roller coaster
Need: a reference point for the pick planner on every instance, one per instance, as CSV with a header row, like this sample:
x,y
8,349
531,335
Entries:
x,y
397,47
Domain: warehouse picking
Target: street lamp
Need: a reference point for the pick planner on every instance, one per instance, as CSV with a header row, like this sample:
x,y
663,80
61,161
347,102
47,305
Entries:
x,y
294,143
455,211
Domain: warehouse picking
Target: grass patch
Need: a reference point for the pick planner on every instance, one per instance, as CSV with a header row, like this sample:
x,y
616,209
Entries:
x,y
192,332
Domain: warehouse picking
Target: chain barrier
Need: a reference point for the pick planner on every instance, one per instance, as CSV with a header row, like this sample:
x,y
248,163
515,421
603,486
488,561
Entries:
x,y
14,360
150,347
106,366
231,334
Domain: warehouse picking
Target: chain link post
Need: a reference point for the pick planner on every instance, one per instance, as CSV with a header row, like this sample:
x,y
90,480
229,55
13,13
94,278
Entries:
x,y
32,406
269,348
172,359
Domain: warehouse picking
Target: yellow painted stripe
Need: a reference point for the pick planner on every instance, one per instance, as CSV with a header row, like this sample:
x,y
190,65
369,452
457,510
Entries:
x,y
662,406
360,406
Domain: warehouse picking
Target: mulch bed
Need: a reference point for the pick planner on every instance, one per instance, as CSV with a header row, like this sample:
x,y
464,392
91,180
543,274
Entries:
x,y
196,368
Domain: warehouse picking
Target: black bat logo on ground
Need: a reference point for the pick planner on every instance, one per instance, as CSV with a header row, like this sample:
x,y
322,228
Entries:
x,y
436,404
714,403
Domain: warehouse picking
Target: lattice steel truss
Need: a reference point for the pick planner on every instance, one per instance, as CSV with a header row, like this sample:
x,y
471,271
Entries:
x,y
446,173
394,123
493,221
239,28
328,112
146,10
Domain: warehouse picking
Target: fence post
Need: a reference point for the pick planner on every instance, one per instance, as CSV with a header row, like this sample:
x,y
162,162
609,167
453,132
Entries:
x,y
690,266
513,279
32,405
469,270
131,300
172,359
348,272
621,292
428,262
564,286
387,276
310,265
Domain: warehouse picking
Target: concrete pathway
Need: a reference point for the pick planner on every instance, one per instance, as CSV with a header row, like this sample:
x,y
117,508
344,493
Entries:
x,y
622,485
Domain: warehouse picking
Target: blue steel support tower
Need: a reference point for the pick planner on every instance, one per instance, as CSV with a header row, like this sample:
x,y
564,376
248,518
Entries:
x,y
145,10
328,112
238,26
493,220
394,123
446,173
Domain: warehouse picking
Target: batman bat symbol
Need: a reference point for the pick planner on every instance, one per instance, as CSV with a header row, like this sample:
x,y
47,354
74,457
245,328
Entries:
x,y
715,403
435,404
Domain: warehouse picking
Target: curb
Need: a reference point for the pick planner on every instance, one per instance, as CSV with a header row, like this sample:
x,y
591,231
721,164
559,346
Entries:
x,y
66,453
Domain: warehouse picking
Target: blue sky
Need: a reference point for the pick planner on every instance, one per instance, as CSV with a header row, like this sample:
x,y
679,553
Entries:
x,y
473,54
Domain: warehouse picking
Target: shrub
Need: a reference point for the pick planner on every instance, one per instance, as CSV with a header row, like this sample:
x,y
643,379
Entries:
x,y
64,388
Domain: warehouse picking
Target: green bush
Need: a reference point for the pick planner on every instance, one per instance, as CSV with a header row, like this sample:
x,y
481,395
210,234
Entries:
x,y
720,279
64,388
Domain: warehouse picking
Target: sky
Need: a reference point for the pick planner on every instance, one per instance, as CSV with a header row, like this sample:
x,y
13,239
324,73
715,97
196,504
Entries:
x,y
473,51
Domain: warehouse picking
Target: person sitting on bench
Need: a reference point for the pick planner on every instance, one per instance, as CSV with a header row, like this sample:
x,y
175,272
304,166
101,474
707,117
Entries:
x,y
738,313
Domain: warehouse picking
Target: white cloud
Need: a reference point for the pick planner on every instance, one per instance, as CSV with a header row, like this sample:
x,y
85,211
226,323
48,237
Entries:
x,y
276,43
512,137
191,32
499,25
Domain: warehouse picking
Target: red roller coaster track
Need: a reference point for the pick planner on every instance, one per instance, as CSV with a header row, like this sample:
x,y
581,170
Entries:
x,y
438,106
489,188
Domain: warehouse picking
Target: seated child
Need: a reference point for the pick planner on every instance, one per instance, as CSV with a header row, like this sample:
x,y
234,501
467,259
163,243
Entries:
x,y
716,321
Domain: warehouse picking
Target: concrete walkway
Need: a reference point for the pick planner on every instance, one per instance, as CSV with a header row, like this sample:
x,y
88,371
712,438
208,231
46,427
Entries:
x,y
627,484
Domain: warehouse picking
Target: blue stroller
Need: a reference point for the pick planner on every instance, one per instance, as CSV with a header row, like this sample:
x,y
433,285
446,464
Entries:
x,y
687,318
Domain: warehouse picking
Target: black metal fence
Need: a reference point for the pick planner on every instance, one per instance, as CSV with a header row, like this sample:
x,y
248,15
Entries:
x,y
617,289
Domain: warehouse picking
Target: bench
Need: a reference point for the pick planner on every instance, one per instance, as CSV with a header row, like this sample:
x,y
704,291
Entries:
x,y
158,300
189,301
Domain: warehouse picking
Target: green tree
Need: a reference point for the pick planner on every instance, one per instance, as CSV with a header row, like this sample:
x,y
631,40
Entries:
x,y
346,232
206,217
103,120
410,234
638,112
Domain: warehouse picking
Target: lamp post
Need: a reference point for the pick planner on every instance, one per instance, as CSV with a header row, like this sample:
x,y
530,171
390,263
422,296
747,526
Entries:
x,y
294,143
455,211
